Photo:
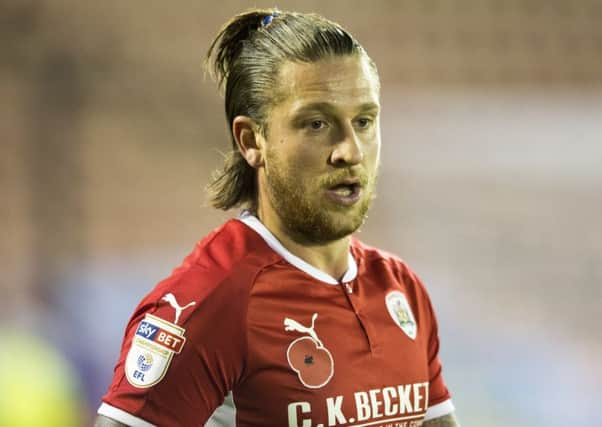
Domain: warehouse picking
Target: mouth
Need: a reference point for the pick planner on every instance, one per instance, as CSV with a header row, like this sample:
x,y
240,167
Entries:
x,y
346,193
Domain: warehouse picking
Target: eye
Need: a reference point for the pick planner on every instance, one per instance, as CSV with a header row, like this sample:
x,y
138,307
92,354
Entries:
x,y
317,124
364,122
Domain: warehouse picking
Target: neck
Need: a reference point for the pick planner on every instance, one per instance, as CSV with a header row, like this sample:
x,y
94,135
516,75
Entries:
x,y
331,257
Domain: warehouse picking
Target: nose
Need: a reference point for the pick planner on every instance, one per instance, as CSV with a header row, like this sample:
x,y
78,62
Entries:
x,y
347,150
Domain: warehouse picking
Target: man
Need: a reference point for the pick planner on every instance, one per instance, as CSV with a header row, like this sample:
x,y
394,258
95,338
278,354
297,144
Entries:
x,y
280,317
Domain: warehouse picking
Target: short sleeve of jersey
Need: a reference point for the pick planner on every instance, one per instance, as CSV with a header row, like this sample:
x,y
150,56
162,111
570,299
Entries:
x,y
438,391
177,372
185,346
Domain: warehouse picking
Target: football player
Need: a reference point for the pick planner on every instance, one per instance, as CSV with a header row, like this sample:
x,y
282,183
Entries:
x,y
280,317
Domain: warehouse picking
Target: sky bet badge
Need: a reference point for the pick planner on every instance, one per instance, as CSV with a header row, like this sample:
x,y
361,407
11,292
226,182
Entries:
x,y
154,344
400,311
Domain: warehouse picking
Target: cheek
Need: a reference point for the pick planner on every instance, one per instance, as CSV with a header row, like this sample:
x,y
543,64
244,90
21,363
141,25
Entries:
x,y
292,161
303,155
372,151
308,154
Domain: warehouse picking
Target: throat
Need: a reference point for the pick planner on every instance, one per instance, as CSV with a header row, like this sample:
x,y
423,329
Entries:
x,y
331,258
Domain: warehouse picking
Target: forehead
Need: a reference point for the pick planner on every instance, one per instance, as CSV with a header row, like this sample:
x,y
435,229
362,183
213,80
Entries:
x,y
344,82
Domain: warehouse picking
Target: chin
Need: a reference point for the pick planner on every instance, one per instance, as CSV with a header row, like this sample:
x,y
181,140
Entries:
x,y
331,226
351,226
319,220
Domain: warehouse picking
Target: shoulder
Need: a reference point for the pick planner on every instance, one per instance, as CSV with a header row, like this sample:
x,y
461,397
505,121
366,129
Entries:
x,y
230,246
390,272
222,266
372,258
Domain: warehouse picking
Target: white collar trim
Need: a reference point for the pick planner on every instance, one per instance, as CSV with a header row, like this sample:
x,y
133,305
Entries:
x,y
253,222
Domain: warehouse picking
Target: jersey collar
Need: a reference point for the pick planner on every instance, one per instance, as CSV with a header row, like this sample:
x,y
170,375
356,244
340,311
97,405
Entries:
x,y
253,222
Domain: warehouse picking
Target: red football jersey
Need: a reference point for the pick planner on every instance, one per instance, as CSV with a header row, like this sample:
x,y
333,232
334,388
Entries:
x,y
245,333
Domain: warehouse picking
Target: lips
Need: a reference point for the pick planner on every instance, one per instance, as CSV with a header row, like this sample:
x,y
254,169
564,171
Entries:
x,y
346,192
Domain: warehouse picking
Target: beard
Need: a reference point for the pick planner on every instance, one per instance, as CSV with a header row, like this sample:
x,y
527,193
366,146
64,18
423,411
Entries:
x,y
302,208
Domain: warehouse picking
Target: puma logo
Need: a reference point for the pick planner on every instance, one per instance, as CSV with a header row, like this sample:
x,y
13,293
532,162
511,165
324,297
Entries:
x,y
293,325
171,299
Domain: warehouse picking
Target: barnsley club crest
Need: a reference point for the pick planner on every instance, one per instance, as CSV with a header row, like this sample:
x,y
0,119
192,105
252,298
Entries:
x,y
401,313
307,355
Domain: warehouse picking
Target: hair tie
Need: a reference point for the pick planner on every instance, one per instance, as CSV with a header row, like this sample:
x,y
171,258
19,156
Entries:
x,y
267,20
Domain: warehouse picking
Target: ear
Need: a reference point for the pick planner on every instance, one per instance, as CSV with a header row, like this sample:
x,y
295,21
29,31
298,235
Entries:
x,y
248,139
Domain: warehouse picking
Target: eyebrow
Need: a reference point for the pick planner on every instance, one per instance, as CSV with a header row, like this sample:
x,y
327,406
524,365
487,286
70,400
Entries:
x,y
328,107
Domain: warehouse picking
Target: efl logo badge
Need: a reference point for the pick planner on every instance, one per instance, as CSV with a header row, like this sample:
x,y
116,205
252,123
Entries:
x,y
307,356
401,313
154,344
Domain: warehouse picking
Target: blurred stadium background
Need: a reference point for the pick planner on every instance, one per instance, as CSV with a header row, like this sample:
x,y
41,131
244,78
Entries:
x,y
491,187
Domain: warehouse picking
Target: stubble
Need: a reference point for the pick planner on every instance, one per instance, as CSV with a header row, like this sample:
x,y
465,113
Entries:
x,y
302,208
